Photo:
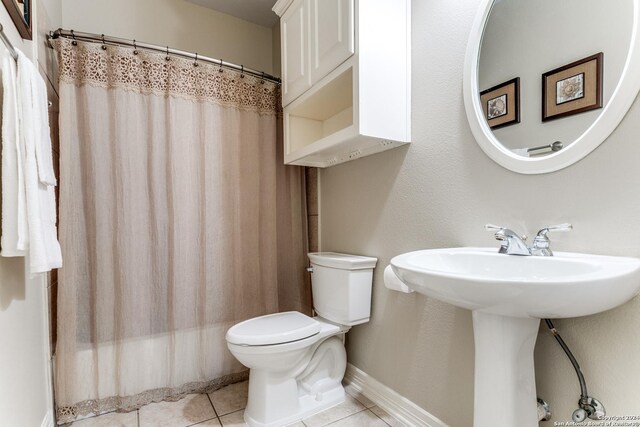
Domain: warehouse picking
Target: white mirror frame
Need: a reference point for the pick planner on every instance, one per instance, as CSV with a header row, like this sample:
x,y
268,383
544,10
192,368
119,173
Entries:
x,y
611,115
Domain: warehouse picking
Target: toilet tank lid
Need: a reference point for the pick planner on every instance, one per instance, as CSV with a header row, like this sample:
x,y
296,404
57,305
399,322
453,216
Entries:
x,y
272,329
342,261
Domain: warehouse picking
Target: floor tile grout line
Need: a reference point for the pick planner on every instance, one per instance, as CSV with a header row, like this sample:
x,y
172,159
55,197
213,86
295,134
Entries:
x,y
363,403
368,409
340,419
213,406
215,413
203,421
232,412
226,415
361,395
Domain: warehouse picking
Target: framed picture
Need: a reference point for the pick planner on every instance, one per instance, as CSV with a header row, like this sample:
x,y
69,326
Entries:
x,y
573,88
501,104
20,13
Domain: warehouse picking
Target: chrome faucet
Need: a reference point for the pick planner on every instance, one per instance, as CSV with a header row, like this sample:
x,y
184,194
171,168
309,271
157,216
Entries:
x,y
513,244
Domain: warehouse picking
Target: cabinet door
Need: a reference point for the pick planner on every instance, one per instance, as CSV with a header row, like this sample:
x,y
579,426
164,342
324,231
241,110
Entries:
x,y
294,27
332,35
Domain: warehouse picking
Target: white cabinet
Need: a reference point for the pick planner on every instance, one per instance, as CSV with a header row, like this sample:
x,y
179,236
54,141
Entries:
x,y
317,36
350,96
332,35
295,32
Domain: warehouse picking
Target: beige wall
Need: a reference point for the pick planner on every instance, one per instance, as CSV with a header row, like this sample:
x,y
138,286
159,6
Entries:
x,y
176,23
439,191
25,381
275,47
25,397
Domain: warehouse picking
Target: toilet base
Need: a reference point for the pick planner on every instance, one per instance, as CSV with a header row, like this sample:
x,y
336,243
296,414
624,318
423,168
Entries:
x,y
311,383
308,406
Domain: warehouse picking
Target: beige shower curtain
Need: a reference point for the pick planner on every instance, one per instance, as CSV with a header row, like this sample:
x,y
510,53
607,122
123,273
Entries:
x,y
177,220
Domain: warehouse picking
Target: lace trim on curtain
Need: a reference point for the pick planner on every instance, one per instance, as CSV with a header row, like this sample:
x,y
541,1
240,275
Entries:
x,y
150,73
66,414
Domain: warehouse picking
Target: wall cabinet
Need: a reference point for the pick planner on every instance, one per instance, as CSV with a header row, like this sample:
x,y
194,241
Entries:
x,y
317,36
332,35
295,32
346,71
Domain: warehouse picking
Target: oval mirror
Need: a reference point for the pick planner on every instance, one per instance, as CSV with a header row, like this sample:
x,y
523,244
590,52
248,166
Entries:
x,y
546,82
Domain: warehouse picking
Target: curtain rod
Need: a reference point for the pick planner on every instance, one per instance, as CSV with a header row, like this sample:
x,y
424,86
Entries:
x,y
7,43
109,40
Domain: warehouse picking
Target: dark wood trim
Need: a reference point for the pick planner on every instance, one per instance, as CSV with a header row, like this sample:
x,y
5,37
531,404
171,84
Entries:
x,y
599,57
516,91
24,28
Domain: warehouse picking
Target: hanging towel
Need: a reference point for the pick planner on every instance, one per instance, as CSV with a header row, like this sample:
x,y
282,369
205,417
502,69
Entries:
x,y
15,232
39,177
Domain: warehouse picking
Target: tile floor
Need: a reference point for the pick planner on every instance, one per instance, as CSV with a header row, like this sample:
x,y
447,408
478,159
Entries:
x,y
225,407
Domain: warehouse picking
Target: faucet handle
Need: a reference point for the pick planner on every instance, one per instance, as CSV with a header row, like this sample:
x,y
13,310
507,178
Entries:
x,y
559,227
541,243
498,228
493,227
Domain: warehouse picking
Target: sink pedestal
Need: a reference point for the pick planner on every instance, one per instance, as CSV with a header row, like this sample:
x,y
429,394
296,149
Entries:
x,y
505,386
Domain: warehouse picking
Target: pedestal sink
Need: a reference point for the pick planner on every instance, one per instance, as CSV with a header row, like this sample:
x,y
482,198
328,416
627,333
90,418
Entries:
x,y
508,296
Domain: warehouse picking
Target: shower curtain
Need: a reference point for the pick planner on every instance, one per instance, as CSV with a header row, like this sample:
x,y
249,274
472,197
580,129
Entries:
x,y
177,220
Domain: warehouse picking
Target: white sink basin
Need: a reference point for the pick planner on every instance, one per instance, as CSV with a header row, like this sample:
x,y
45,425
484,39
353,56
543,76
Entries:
x,y
508,295
564,285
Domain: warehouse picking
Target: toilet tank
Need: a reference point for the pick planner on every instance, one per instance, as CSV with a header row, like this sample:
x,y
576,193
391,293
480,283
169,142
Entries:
x,y
341,286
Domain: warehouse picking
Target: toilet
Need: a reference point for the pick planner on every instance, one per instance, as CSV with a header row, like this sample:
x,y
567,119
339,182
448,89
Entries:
x,y
297,362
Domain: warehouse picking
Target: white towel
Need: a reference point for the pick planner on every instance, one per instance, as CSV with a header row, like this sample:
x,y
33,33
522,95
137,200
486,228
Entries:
x,y
44,249
15,232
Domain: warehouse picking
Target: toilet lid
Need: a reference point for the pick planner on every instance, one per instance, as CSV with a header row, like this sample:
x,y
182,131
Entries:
x,y
276,328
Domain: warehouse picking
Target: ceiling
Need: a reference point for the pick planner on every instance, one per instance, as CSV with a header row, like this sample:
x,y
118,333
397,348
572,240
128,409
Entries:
x,y
256,11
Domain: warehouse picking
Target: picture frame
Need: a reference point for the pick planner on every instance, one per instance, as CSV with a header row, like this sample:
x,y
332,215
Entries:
x,y
501,104
573,88
20,13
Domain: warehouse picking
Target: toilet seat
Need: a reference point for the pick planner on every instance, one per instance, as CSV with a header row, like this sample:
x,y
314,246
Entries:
x,y
327,329
273,329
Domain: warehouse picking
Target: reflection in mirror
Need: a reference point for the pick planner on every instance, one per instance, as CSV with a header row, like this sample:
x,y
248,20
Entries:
x,y
20,13
525,40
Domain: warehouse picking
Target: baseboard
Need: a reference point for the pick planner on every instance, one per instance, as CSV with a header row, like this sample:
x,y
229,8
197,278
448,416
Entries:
x,y
396,405
48,420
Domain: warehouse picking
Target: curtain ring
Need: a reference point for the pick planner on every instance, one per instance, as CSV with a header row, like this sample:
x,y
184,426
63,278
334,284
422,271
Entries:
x,y
167,57
195,63
220,69
74,42
104,46
242,71
135,48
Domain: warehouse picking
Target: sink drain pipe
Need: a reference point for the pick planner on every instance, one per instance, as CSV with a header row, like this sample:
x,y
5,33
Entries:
x,y
588,406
